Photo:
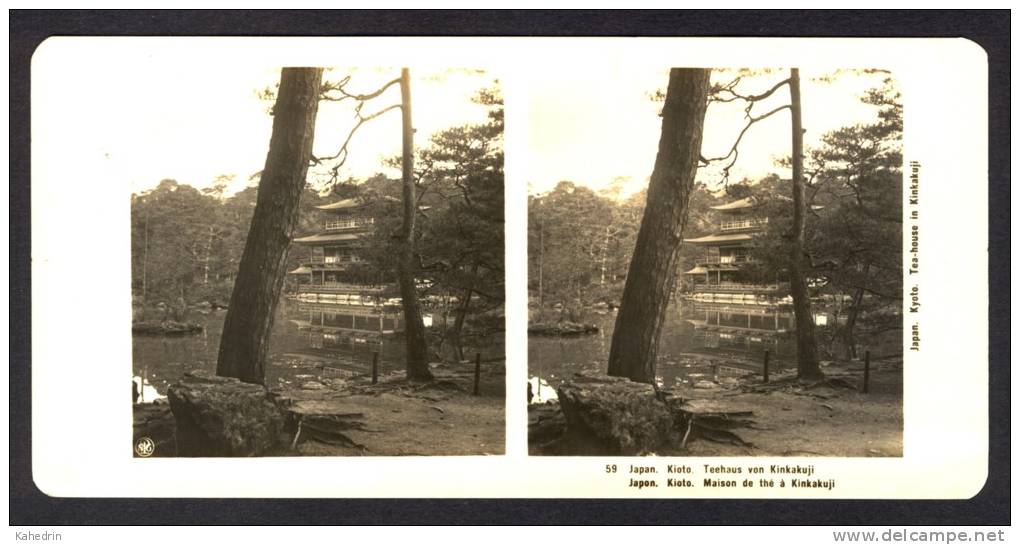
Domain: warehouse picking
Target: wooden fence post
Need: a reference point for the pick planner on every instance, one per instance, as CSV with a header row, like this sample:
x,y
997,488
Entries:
x,y
867,369
478,370
375,367
765,372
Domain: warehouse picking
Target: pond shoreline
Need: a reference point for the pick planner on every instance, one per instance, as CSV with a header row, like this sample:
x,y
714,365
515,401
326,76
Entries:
x,y
299,349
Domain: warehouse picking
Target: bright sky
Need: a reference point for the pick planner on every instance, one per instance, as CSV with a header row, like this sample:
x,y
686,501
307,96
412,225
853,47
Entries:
x,y
590,127
137,124
193,123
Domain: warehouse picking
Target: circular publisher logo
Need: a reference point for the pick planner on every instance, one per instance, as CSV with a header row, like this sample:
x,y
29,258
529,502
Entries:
x,y
144,447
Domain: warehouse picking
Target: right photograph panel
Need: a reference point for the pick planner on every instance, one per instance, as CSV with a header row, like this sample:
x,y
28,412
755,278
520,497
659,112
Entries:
x,y
715,263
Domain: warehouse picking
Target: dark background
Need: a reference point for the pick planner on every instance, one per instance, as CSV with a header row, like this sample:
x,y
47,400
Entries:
x,y
990,29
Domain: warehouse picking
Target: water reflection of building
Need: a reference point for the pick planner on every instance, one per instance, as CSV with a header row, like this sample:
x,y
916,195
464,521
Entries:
x,y
743,330
348,320
720,275
324,274
345,336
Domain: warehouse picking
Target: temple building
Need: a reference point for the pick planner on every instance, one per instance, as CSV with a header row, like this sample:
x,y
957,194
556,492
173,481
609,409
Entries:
x,y
334,302
330,253
719,273
327,257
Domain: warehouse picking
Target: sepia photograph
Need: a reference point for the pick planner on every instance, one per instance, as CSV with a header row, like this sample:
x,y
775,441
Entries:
x,y
506,268
317,266
715,264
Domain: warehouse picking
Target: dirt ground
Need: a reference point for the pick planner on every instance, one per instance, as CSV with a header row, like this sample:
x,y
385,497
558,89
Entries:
x,y
395,418
789,418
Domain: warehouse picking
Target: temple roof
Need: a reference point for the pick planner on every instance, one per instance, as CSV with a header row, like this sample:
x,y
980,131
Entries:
x,y
735,205
703,268
327,237
716,239
301,270
343,204
349,204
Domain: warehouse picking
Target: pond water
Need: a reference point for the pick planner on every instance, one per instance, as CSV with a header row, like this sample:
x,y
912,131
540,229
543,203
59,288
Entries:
x,y
694,334
308,341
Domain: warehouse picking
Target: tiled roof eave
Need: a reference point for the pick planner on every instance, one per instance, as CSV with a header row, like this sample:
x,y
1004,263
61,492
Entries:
x,y
327,237
719,239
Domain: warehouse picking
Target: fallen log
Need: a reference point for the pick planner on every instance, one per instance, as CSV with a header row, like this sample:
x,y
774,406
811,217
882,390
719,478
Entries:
x,y
168,327
712,420
562,329
329,429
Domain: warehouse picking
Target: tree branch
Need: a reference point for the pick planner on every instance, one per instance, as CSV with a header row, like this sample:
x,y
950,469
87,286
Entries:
x,y
728,88
342,153
339,87
734,152
873,292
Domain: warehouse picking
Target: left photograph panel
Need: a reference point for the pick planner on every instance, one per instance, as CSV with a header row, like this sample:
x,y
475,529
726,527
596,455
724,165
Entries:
x,y
316,262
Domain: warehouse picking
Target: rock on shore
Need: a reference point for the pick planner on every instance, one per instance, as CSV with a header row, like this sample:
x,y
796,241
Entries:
x,y
218,416
615,415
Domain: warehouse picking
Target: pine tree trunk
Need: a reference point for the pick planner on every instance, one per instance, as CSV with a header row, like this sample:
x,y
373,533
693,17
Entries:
x,y
541,269
851,321
458,323
208,251
145,267
652,272
249,321
605,251
807,347
414,328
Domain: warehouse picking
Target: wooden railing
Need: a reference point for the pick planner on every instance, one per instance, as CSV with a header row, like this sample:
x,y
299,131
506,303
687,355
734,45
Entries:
x,y
332,260
717,259
734,287
733,225
337,287
337,225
